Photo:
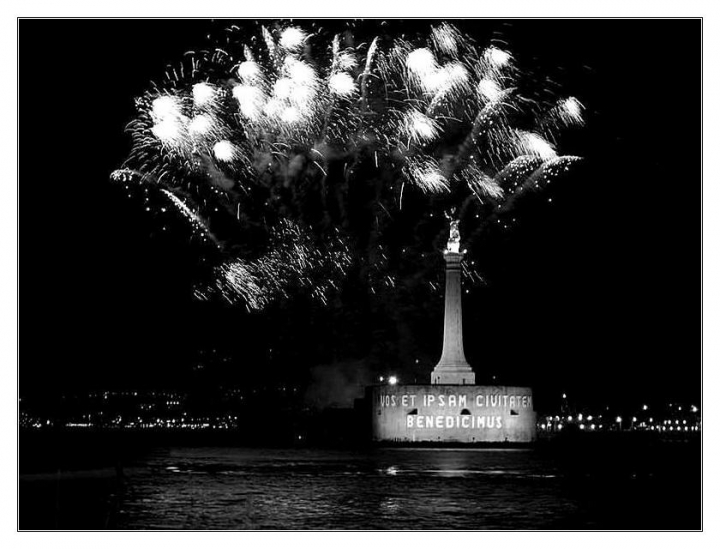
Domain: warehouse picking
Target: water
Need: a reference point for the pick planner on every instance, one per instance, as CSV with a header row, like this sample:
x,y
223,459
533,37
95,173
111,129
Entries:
x,y
237,488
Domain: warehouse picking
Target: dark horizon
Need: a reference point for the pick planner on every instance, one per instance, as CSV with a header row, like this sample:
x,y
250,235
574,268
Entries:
x,y
591,295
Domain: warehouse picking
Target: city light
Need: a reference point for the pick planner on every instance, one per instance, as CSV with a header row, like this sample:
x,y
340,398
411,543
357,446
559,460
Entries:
x,y
689,423
166,410
392,380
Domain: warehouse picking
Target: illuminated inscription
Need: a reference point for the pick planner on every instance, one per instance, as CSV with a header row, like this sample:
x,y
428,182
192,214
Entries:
x,y
453,422
455,401
461,410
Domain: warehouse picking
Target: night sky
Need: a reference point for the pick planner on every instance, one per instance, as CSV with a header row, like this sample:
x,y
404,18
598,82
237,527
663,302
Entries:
x,y
596,293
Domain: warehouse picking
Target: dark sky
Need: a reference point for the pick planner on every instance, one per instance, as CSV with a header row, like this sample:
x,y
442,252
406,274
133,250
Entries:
x,y
596,293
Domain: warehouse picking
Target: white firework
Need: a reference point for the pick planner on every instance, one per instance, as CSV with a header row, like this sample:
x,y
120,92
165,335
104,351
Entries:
x,y
200,125
224,151
419,127
446,38
292,38
251,100
571,112
424,172
166,107
497,57
532,144
481,184
203,94
489,89
249,72
342,84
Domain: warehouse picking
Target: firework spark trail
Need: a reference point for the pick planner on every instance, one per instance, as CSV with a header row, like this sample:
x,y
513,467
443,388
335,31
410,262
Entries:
x,y
425,174
482,185
517,171
187,212
446,39
293,261
540,177
254,129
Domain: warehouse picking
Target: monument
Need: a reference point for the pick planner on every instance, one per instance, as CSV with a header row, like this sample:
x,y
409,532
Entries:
x,y
453,368
452,409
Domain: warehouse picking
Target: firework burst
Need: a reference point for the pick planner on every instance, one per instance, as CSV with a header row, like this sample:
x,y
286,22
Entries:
x,y
275,136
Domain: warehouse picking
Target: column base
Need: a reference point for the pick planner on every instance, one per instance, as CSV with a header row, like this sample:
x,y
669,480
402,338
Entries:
x,y
442,376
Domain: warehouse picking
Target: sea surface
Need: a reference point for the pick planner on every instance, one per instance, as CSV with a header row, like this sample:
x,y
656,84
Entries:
x,y
382,488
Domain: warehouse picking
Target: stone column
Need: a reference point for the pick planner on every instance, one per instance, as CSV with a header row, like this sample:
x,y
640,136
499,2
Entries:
x,y
453,368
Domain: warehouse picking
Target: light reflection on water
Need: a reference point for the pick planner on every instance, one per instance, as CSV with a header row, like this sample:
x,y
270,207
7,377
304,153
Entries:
x,y
231,488
238,488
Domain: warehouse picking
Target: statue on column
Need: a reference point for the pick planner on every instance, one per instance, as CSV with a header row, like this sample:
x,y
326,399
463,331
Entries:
x,y
453,244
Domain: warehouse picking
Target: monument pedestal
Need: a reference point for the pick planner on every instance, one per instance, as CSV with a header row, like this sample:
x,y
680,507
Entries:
x,y
451,376
442,414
